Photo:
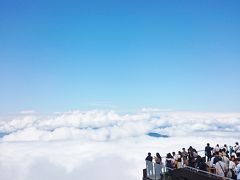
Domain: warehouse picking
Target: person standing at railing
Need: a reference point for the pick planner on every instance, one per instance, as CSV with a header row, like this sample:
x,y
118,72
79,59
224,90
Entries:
x,y
237,149
158,165
208,152
179,160
170,161
175,156
216,149
149,164
225,149
190,157
158,158
231,151
184,157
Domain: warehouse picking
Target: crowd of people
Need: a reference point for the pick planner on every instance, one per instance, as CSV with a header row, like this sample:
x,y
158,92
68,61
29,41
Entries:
x,y
223,160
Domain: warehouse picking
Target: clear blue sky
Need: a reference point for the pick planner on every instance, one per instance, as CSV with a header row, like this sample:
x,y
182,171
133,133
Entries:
x,y
61,55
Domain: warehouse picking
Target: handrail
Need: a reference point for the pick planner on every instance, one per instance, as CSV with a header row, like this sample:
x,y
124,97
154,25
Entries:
x,y
157,170
165,168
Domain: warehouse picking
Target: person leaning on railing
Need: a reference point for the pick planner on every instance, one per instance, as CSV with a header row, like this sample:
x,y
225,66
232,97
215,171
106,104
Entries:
x,y
179,160
159,165
158,158
170,161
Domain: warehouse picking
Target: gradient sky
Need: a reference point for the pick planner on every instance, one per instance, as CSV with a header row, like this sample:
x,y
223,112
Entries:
x,y
62,55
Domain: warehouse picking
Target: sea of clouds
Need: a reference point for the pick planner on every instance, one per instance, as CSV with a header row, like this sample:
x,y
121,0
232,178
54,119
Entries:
x,y
101,144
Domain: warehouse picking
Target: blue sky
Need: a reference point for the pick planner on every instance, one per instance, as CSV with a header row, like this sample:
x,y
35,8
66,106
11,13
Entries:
x,y
125,55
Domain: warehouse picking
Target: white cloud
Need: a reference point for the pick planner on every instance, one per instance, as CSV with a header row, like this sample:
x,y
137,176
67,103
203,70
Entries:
x,y
98,125
77,144
28,112
18,123
149,110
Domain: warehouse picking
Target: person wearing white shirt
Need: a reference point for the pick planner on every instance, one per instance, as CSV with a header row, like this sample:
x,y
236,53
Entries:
x,y
232,167
225,160
220,167
179,160
216,149
237,149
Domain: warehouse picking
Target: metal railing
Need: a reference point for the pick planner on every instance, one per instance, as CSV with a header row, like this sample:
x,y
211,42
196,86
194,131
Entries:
x,y
160,171
156,171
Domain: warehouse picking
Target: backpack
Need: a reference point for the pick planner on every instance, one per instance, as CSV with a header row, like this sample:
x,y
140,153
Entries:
x,y
169,163
215,160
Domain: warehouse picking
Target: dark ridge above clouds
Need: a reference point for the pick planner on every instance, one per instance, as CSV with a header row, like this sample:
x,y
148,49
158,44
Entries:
x,y
157,135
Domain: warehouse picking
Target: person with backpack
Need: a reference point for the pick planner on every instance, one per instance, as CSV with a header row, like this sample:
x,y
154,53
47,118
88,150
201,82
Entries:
x,y
214,159
220,167
213,162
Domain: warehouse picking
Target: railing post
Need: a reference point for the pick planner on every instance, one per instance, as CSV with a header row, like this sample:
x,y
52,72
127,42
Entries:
x,y
155,171
164,172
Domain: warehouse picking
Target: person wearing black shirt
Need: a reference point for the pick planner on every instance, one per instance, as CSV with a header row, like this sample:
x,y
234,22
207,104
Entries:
x,y
208,152
149,164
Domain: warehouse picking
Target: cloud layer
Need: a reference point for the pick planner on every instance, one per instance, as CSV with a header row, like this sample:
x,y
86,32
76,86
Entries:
x,y
98,125
105,144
